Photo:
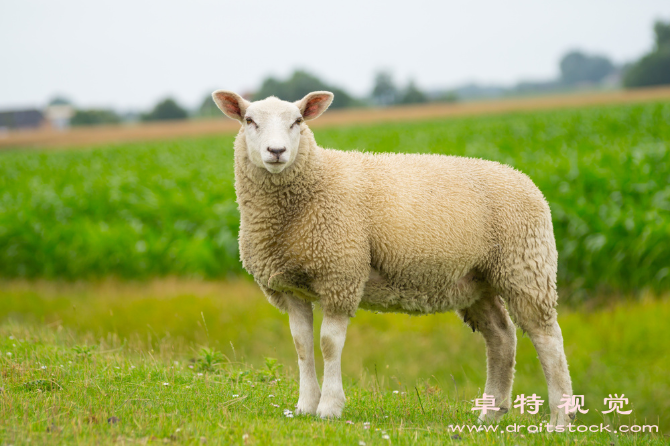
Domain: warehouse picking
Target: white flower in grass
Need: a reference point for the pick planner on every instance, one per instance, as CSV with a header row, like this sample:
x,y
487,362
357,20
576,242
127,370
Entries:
x,y
271,396
366,425
11,337
43,367
166,384
361,443
9,353
235,396
386,437
395,392
274,405
199,374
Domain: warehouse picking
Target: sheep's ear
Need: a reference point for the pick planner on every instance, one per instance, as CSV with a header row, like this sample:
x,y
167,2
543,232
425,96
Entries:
x,y
231,104
315,103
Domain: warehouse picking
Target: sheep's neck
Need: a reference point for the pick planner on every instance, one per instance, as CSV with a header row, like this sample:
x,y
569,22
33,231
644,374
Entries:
x,y
271,206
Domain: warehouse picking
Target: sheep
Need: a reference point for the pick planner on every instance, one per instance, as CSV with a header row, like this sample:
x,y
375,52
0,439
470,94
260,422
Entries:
x,y
410,233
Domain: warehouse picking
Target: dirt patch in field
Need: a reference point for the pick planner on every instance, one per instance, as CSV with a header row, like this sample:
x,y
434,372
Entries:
x,y
82,137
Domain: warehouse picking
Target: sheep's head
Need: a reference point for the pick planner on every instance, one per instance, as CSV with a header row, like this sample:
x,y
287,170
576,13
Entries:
x,y
272,126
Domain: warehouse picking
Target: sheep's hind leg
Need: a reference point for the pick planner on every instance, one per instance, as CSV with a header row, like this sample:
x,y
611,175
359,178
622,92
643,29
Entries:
x,y
333,334
533,310
548,342
489,317
301,320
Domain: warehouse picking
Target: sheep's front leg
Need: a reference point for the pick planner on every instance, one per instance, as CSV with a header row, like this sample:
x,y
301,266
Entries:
x,y
301,320
333,333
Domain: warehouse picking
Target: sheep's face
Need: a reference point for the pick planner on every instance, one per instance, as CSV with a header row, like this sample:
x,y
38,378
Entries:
x,y
272,131
272,126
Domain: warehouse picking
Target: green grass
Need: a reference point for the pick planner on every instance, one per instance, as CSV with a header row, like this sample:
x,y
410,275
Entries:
x,y
167,208
108,348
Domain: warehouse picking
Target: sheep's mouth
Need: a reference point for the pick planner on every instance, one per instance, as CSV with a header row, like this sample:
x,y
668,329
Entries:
x,y
275,166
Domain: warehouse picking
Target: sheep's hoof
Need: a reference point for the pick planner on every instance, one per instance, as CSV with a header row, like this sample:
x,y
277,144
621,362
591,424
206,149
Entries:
x,y
307,407
330,409
329,413
561,419
492,416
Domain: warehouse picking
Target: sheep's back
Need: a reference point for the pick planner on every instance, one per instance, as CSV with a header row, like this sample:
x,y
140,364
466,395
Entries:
x,y
444,216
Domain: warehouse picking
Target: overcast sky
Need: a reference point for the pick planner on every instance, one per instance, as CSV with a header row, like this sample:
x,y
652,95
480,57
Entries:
x,y
130,53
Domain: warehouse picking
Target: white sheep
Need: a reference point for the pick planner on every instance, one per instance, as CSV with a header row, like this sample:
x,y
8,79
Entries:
x,y
403,233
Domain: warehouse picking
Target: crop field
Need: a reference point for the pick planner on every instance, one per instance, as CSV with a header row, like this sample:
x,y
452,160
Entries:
x,y
141,210
126,318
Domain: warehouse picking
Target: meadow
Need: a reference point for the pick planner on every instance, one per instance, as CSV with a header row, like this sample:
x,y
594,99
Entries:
x,y
140,210
125,315
193,362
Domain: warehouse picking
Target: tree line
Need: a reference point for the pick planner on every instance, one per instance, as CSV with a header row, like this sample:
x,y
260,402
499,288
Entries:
x,y
577,69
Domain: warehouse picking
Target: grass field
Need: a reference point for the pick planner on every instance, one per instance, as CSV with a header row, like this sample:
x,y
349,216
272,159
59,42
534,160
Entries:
x,y
141,210
74,356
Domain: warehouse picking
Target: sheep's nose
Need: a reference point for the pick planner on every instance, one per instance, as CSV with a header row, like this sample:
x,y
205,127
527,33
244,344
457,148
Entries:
x,y
277,152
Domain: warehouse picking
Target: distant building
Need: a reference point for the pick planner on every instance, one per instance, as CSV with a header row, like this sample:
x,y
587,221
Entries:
x,y
21,119
59,115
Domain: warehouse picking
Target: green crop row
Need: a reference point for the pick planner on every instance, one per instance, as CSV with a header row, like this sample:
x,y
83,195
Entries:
x,y
168,208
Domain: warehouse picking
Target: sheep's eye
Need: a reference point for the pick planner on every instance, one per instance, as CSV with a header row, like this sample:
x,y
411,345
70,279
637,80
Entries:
x,y
250,121
298,121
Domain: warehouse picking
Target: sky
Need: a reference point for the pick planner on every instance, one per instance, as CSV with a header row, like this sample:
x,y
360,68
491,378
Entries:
x,y
128,54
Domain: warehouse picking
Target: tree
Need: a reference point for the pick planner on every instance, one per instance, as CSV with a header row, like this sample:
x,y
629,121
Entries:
x,y
653,68
447,96
168,109
662,31
577,68
298,85
60,100
208,108
384,92
412,95
94,117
